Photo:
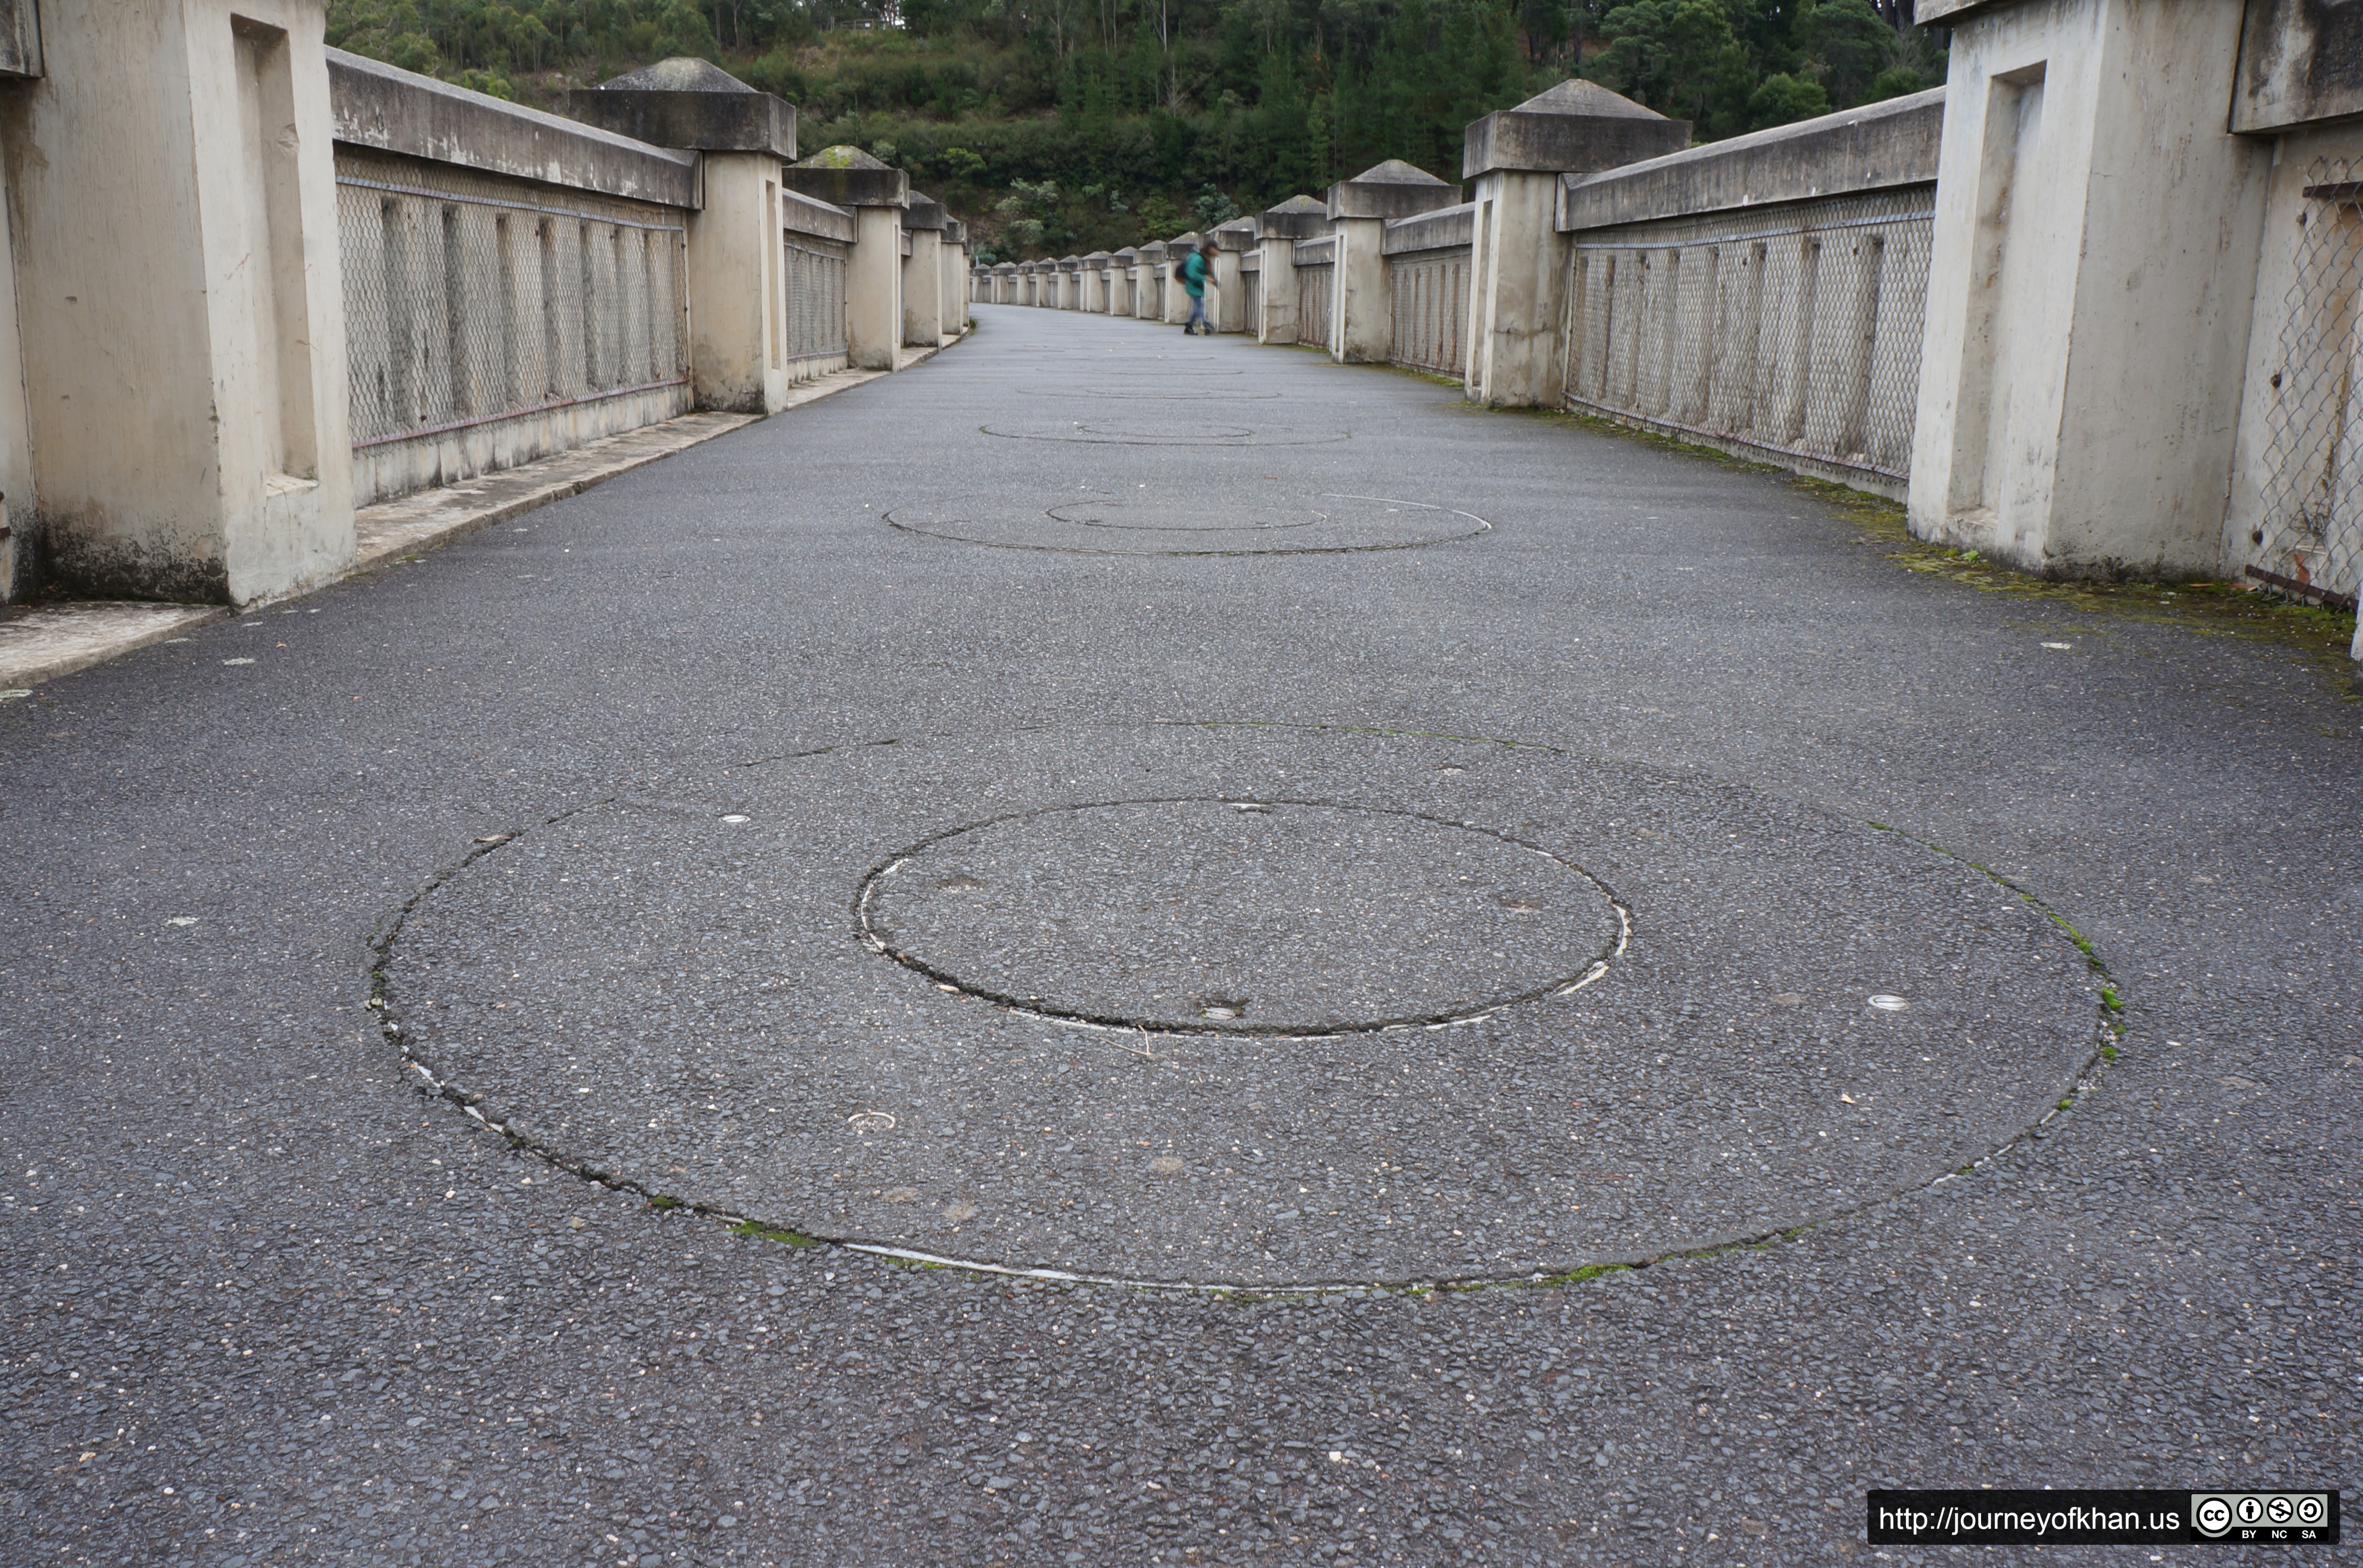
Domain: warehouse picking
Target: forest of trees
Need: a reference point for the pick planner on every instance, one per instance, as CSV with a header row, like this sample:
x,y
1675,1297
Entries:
x,y
1056,126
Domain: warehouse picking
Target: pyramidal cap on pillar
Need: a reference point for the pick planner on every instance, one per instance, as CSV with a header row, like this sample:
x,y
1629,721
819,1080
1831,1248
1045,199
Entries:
x,y
692,104
1239,233
1298,218
924,212
1577,128
1390,190
849,177
955,231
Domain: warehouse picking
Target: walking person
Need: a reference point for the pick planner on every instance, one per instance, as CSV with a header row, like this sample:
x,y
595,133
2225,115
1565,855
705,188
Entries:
x,y
1197,268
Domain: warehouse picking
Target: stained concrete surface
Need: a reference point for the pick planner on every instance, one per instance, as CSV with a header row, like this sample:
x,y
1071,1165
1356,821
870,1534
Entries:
x,y
273,1303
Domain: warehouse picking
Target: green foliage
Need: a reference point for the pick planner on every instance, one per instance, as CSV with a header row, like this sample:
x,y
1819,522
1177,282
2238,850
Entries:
x,y
1784,99
1052,126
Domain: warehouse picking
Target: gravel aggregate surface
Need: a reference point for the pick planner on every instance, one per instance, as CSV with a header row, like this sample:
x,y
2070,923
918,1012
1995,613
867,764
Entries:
x,y
277,1297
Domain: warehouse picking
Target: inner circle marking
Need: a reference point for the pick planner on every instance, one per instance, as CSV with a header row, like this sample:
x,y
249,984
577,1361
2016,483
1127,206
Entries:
x,y
1223,1014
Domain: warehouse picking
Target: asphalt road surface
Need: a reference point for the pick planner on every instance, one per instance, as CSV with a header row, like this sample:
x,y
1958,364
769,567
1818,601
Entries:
x,y
1127,949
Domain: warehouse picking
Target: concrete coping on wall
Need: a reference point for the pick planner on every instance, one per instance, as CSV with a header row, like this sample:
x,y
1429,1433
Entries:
x,y
1440,230
377,106
849,177
955,232
1239,233
1321,252
1577,127
684,102
1390,190
801,215
924,212
1298,218
1876,146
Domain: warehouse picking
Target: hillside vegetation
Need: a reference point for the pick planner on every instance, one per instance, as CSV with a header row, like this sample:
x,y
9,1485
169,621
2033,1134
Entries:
x,y
1060,125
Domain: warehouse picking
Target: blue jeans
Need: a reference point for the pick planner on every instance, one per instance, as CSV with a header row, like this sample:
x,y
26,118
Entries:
x,y
1197,312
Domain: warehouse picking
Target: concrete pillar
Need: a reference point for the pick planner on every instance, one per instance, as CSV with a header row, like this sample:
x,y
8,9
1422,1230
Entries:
x,y
923,273
849,177
953,291
173,204
21,59
1096,284
1004,283
1175,300
1227,311
1148,283
2089,288
1277,231
1359,210
1122,266
737,325
1518,260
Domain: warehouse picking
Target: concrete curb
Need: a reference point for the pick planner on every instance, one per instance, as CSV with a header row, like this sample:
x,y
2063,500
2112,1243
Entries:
x,y
45,642
51,640
432,517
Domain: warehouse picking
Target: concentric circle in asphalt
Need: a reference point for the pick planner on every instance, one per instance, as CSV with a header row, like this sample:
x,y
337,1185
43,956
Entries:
x,y
1240,917
1189,387
681,991
1138,525
1146,432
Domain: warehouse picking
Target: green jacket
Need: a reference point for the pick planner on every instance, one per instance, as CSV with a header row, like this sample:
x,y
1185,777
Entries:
x,y
1194,274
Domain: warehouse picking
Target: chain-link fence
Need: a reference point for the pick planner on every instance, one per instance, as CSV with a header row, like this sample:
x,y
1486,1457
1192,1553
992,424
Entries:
x,y
469,298
1428,293
1794,331
811,318
1317,281
2310,536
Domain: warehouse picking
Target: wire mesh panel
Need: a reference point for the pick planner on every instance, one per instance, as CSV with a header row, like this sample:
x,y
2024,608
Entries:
x,y
1316,273
1793,330
812,312
1430,293
2312,525
471,298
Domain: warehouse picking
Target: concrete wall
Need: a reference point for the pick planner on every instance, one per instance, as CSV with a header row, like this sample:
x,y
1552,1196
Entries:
x,y
1316,264
1766,295
1427,261
491,321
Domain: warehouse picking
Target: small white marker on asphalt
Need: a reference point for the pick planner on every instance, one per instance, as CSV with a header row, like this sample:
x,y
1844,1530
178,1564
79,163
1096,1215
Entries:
x,y
2063,648
735,817
1885,1003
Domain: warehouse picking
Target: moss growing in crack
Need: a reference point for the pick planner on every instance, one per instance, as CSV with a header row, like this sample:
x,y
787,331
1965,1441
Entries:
x,y
754,1230
662,1202
2108,1053
2110,999
2204,607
